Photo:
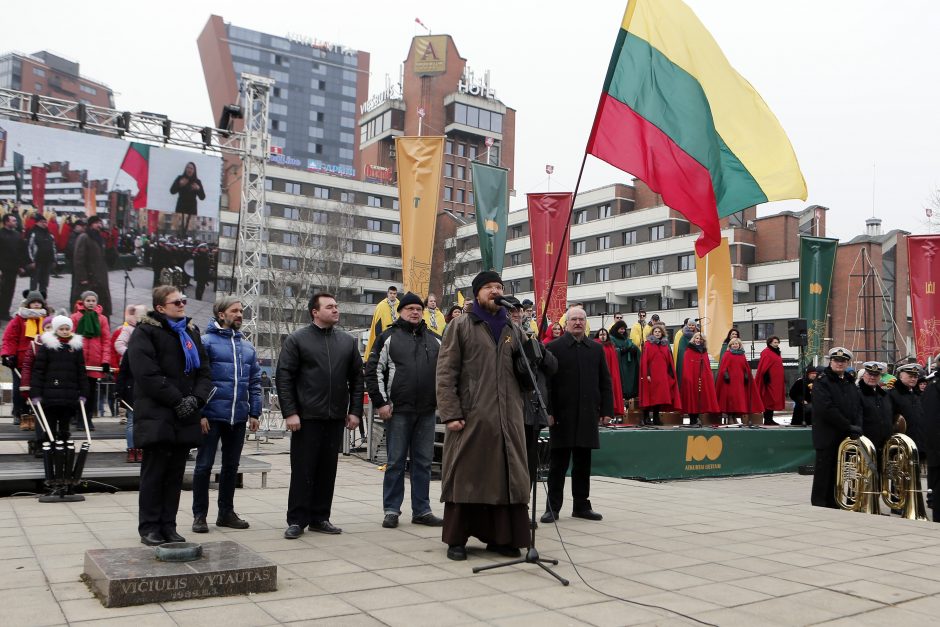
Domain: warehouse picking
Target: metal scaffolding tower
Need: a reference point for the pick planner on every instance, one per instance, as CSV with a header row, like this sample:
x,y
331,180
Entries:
x,y
250,144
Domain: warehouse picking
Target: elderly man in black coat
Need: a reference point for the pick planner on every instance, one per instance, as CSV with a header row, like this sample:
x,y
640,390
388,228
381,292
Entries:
x,y
837,414
171,384
581,400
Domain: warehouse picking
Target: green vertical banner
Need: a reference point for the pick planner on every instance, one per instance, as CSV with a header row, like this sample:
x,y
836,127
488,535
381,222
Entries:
x,y
817,260
491,202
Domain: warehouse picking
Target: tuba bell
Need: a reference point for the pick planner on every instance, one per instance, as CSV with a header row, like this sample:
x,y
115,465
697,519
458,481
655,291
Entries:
x,y
900,478
857,476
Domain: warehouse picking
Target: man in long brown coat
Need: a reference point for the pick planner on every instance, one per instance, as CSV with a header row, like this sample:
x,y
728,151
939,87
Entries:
x,y
485,479
89,269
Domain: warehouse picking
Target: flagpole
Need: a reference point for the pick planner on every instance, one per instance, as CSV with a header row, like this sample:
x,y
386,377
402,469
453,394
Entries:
x,y
564,236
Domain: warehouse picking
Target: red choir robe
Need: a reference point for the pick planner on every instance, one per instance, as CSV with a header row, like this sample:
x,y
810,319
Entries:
x,y
698,387
738,394
613,365
770,380
660,388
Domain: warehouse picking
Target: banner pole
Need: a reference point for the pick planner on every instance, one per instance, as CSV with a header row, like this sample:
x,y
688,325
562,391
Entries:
x,y
564,236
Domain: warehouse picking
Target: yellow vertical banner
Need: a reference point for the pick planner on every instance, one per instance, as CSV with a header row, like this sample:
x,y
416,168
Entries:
x,y
419,186
715,296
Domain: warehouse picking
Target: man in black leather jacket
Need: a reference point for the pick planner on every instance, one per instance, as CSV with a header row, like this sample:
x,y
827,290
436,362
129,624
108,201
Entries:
x,y
837,414
877,414
319,386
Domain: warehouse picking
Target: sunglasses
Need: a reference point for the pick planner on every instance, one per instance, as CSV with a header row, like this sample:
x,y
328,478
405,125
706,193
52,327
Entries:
x,y
178,303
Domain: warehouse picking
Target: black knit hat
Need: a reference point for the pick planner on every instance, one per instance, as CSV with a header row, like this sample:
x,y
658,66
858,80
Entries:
x,y
410,298
487,276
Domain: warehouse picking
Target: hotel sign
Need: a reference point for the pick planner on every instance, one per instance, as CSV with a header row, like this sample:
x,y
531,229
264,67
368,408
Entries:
x,y
430,55
392,92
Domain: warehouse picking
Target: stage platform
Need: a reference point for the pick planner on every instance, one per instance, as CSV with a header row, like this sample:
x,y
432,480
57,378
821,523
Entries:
x,y
663,453
22,471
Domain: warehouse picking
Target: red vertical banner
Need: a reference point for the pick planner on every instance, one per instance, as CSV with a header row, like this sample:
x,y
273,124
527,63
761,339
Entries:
x,y
923,257
38,174
548,216
153,221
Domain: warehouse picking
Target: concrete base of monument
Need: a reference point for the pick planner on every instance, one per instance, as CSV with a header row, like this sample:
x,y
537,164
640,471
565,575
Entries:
x,y
134,576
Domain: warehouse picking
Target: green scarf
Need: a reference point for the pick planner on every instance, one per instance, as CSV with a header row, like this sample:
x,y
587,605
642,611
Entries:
x,y
89,326
623,345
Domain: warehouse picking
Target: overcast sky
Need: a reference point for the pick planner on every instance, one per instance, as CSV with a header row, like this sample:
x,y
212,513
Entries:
x,y
854,84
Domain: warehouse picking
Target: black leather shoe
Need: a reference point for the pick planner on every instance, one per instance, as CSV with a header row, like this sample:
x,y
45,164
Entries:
x,y
200,526
458,552
587,514
428,519
325,526
390,521
549,516
293,532
232,521
154,538
504,549
172,536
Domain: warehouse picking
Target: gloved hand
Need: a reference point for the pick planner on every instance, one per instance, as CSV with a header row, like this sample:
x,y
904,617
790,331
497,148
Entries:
x,y
727,377
189,405
8,360
855,431
106,367
747,379
766,378
82,400
36,400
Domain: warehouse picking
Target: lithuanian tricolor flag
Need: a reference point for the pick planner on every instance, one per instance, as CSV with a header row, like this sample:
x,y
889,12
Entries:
x,y
675,114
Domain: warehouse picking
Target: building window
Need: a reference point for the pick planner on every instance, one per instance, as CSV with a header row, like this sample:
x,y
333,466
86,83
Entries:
x,y
91,91
269,184
373,249
603,274
449,170
461,172
321,192
627,270
318,217
347,197
515,259
289,263
692,299
580,217
470,199
373,273
657,232
38,86
229,230
603,211
657,266
374,201
579,248
471,152
292,188
515,231
637,304
629,238
448,193
515,286
665,303
374,225
763,330
603,242
395,205
396,228
578,278
765,292
460,196
449,147
795,289
461,150
686,262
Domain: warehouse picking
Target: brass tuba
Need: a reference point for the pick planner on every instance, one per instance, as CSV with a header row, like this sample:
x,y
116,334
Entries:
x,y
900,478
857,476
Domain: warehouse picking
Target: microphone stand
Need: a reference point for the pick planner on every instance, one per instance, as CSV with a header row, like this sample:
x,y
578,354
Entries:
x,y
532,554
127,279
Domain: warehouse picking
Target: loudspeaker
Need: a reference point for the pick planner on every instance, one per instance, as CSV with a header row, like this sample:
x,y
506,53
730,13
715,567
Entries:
x,y
796,332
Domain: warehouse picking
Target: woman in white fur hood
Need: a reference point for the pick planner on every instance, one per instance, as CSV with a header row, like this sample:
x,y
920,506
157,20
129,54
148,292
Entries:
x,y
59,381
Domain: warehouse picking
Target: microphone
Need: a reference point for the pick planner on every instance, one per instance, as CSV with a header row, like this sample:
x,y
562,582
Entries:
x,y
750,309
503,302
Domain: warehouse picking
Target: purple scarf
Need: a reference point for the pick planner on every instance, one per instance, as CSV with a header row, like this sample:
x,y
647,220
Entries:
x,y
495,322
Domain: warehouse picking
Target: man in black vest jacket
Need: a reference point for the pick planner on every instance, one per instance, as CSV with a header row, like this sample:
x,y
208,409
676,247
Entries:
x,y
581,399
11,262
399,377
837,414
905,398
171,383
319,386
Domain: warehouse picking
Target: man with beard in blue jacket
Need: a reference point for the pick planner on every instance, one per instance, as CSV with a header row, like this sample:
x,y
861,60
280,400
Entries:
x,y
236,402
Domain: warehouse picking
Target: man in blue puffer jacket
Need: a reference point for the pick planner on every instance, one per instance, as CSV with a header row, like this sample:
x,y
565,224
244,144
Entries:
x,y
236,401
